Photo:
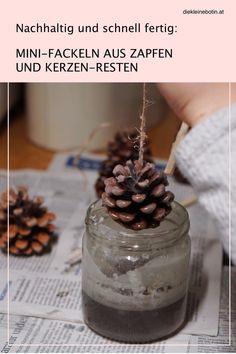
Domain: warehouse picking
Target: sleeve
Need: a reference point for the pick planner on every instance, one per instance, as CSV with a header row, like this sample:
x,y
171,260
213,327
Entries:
x,y
205,157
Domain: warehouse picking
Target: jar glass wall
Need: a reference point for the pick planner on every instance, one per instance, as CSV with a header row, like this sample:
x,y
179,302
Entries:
x,y
134,283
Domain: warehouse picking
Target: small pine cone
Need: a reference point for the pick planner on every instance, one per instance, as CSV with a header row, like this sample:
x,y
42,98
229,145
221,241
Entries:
x,y
136,196
120,150
123,147
30,224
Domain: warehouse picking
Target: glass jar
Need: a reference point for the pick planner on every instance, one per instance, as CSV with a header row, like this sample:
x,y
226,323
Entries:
x,y
134,283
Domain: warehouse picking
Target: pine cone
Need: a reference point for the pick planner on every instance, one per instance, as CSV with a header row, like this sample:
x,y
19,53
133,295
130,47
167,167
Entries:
x,y
120,150
123,147
136,196
30,228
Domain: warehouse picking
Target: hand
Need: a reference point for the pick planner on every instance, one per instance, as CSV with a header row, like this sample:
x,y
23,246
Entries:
x,y
194,102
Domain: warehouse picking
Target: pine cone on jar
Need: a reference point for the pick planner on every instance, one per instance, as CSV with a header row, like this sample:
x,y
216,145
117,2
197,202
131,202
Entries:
x,y
120,150
136,196
30,228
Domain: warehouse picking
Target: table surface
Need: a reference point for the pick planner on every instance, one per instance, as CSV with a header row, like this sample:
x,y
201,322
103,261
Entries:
x,y
25,154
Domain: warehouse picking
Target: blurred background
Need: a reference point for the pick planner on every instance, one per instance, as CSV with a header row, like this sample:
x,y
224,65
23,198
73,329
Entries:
x,y
46,118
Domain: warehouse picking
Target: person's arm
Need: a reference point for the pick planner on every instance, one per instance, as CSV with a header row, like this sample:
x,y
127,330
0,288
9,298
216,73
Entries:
x,y
204,155
194,102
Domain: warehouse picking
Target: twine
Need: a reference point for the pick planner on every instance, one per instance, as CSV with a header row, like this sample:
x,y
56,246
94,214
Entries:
x,y
142,133
170,167
85,146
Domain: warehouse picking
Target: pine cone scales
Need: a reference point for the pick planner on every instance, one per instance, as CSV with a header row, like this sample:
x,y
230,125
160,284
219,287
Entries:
x,y
30,228
136,196
120,150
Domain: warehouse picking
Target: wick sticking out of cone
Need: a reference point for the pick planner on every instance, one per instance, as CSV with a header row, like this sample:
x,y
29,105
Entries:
x,y
143,135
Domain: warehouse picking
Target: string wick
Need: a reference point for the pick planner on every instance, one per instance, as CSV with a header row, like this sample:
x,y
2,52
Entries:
x,y
143,136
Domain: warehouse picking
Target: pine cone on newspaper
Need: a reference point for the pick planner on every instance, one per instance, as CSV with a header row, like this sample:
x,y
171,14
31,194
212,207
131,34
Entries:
x,y
136,196
120,150
30,228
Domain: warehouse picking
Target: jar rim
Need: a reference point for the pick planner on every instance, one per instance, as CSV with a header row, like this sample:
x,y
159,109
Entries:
x,y
171,228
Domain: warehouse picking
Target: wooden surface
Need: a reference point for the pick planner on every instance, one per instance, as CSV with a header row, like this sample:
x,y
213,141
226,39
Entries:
x,y
25,154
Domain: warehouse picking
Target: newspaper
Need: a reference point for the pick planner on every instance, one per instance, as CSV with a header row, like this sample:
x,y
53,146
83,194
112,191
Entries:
x,y
28,334
49,295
